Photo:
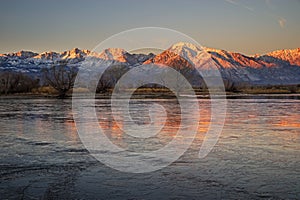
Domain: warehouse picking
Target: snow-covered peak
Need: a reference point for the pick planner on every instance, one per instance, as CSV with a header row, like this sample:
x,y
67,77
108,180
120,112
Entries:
x,y
179,54
228,59
273,68
113,54
180,46
182,54
74,53
290,55
48,55
21,54
187,50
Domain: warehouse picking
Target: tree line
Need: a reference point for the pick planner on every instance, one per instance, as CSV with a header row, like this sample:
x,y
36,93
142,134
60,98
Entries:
x,y
61,77
16,82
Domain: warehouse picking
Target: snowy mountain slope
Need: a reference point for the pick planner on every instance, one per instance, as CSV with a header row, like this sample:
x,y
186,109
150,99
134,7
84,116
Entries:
x,y
120,55
292,56
278,67
234,66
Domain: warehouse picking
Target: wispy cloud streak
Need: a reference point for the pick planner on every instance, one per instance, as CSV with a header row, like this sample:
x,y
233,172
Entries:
x,y
282,22
238,3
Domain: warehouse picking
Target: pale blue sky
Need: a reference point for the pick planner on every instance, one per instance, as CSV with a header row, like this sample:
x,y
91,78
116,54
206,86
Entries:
x,y
245,26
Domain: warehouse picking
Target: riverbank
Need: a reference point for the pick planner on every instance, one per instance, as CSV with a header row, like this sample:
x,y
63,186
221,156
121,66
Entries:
x,y
140,93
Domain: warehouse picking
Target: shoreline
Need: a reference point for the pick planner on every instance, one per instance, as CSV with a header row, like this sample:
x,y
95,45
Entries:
x,y
159,95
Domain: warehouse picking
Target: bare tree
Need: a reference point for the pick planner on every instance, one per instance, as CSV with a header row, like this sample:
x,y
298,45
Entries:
x,y
114,73
12,82
60,77
9,80
229,85
103,85
26,83
179,79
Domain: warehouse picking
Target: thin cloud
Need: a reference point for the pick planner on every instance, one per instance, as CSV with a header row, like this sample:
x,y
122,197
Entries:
x,y
234,2
249,8
282,22
240,4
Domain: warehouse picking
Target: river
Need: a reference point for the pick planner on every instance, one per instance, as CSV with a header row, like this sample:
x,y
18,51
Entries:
x,y
257,155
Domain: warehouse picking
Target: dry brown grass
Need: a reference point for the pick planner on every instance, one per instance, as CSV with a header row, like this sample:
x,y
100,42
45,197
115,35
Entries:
x,y
44,90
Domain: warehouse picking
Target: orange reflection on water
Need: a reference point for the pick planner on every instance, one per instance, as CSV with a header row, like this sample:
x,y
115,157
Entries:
x,y
292,121
111,128
71,130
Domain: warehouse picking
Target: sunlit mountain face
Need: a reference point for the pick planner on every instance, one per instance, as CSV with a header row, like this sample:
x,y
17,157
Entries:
x,y
277,67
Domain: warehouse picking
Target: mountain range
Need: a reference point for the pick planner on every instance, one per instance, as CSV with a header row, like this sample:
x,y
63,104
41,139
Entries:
x,y
274,68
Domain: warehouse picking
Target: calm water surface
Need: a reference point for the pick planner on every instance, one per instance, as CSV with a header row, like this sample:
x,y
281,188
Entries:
x,y
256,157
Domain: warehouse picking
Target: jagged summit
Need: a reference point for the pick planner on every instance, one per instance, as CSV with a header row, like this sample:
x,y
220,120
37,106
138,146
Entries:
x,y
277,67
181,46
48,55
290,55
74,53
188,51
113,54
192,53
181,54
21,54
